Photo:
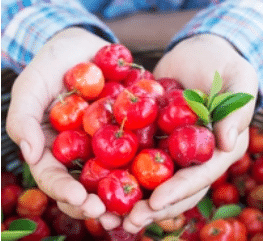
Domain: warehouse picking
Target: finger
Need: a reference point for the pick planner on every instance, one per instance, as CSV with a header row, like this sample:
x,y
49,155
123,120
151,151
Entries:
x,y
190,180
142,215
110,221
240,78
93,207
72,211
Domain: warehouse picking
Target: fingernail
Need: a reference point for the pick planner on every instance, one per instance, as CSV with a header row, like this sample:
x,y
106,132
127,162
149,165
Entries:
x,y
25,148
232,137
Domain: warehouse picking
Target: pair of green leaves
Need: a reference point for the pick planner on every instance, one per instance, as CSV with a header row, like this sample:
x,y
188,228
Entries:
x,y
216,106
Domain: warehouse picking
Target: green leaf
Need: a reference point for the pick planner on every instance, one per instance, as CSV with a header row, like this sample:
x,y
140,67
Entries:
x,y
28,180
19,229
216,87
205,207
227,211
154,230
232,103
54,238
218,100
200,110
193,95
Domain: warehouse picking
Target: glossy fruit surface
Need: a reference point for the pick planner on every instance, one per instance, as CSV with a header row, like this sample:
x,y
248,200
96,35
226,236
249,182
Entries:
x,y
111,89
191,144
91,174
221,180
257,170
119,191
72,145
241,166
152,87
225,194
67,114
138,107
253,219
170,84
94,227
32,202
98,114
239,229
255,140
152,167
86,79
114,147
135,75
114,60
218,230
173,224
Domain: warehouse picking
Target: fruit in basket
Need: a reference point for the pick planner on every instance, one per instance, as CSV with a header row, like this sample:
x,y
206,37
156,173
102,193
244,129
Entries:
x,y
9,197
91,174
191,144
255,145
152,167
111,89
225,194
137,106
114,146
253,219
137,74
67,114
119,191
98,114
86,79
72,145
32,202
115,62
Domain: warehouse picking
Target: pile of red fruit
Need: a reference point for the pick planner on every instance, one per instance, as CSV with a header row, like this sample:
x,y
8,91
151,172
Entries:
x,y
122,133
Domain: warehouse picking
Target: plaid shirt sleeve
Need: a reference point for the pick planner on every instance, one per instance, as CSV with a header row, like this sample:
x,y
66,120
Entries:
x,y
27,25
238,21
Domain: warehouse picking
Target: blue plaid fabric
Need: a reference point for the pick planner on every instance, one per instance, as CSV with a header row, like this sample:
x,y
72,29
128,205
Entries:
x,y
28,24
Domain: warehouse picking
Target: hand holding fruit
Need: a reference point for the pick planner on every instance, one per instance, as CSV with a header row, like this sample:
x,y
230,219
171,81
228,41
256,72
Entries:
x,y
192,62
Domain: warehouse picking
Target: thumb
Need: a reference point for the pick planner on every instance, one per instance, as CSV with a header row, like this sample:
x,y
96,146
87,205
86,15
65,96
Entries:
x,y
227,130
30,97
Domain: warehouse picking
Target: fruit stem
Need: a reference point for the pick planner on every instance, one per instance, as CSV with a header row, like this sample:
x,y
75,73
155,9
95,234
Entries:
x,y
62,96
158,158
127,188
215,231
78,163
121,130
132,97
122,62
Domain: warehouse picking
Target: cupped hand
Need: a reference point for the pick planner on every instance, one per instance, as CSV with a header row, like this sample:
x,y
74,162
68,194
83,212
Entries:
x,y
34,92
193,63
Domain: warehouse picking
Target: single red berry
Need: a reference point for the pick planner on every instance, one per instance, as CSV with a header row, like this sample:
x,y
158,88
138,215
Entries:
x,y
137,74
191,144
241,166
114,146
98,114
94,227
67,114
115,61
175,112
255,198
219,181
253,219
255,140
138,107
91,174
170,84
119,191
86,79
112,90
257,170
72,145
152,167
244,183
239,229
225,194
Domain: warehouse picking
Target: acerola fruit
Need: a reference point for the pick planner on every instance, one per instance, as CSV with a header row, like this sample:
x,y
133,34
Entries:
x,y
137,74
170,84
257,170
67,114
86,79
241,166
255,145
152,167
114,146
119,191
173,224
152,87
219,181
112,90
191,144
72,145
115,61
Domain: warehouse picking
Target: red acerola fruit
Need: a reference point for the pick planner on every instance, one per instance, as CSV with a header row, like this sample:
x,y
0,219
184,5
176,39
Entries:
x,y
257,170
255,198
225,194
137,74
152,167
112,90
8,178
72,145
244,183
219,181
255,140
119,191
152,87
86,79
241,166
114,146
170,84
91,174
191,144
67,114
115,61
